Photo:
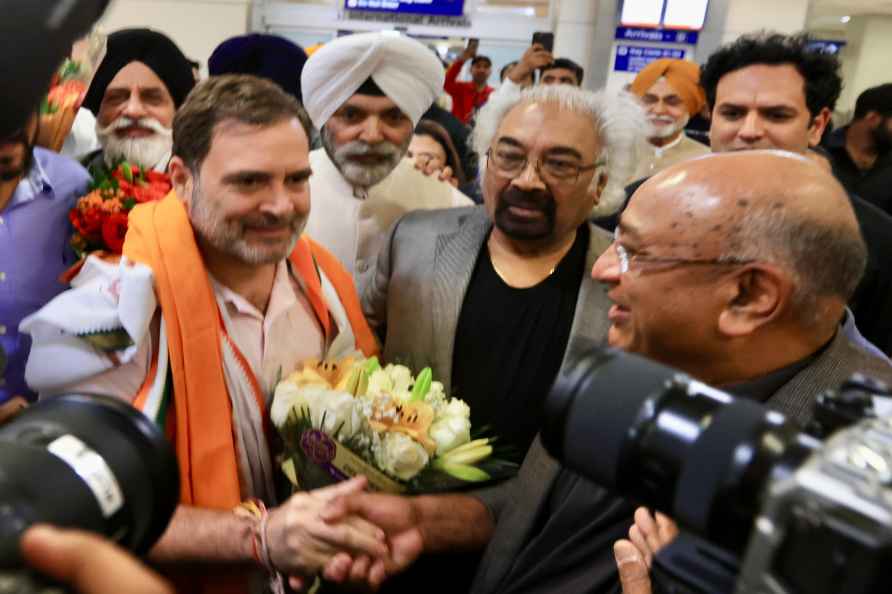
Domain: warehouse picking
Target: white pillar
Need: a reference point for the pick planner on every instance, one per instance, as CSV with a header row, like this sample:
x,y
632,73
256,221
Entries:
x,y
865,57
575,32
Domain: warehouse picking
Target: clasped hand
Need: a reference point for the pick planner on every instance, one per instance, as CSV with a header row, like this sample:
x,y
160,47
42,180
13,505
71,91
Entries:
x,y
347,536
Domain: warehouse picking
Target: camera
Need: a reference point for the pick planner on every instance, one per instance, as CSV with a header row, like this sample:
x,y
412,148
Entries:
x,y
86,462
765,506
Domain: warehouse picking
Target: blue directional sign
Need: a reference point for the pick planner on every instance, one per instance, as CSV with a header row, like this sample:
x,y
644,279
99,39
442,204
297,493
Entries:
x,y
425,7
656,35
633,58
828,46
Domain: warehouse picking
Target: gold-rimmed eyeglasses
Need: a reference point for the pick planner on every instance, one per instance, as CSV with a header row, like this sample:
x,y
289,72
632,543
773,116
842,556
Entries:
x,y
559,168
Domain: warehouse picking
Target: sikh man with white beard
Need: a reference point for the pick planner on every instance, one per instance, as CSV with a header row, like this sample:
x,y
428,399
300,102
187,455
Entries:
x,y
365,93
140,84
671,93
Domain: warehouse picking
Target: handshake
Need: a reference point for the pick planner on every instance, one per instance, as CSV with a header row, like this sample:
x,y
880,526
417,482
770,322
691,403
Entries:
x,y
344,534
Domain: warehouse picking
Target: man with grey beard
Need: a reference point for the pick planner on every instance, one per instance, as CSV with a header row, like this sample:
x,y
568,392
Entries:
x,y
136,91
365,93
671,93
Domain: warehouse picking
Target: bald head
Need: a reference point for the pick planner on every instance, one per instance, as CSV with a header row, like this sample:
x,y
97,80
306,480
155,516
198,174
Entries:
x,y
765,205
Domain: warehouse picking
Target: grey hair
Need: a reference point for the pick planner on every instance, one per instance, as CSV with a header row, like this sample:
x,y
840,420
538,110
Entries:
x,y
618,118
825,258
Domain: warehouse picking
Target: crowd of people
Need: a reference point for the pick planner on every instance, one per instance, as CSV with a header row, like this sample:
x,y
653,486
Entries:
x,y
326,205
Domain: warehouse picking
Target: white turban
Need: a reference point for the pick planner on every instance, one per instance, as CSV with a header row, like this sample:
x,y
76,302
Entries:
x,y
408,72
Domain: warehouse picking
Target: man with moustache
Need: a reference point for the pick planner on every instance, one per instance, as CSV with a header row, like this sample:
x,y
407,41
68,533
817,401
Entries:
x,y
497,298
137,89
217,296
365,93
671,94
861,153
37,189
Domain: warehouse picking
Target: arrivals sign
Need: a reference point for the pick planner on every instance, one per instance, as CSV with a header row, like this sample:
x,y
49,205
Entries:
x,y
656,35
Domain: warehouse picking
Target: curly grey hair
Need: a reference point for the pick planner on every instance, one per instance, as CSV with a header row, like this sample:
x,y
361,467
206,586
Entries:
x,y
617,117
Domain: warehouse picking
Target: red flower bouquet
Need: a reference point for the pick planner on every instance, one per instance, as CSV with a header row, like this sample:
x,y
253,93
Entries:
x,y
68,90
100,217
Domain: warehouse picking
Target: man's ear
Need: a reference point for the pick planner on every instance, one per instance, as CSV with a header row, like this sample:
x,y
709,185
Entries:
x,y
755,295
182,179
818,125
599,182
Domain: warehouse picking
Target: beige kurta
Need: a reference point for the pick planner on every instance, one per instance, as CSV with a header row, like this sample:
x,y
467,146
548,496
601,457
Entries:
x,y
353,228
655,159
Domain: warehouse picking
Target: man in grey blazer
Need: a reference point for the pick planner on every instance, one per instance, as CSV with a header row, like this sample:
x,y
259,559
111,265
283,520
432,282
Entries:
x,y
496,298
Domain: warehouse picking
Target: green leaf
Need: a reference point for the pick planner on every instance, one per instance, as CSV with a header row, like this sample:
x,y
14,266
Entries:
x,y
109,340
69,68
471,456
422,385
127,170
372,365
129,203
470,474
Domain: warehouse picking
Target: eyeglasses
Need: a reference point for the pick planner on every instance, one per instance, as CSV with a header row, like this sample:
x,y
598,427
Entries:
x,y
511,163
626,258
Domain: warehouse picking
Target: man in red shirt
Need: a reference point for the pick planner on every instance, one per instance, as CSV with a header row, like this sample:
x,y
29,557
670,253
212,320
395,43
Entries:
x,y
468,97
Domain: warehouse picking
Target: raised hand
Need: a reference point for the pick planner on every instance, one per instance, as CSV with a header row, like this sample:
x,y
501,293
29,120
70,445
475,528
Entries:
x,y
634,557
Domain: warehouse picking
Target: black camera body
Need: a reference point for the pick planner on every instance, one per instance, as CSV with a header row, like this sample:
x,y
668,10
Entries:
x,y
743,481
86,462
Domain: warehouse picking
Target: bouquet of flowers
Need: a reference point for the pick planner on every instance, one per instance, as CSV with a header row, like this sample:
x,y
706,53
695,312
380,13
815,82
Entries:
x,y
340,419
100,217
68,89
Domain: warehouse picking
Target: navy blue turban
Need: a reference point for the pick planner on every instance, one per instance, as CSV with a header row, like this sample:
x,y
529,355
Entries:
x,y
267,56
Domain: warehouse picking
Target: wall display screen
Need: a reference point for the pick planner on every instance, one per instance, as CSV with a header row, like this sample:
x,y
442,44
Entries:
x,y
685,14
670,14
642,13
424,7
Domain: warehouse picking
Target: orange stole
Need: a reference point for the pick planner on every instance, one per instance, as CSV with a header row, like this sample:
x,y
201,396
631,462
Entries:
x,y
161,237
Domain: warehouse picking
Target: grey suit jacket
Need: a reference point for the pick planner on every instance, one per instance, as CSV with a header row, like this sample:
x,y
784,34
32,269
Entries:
x,y
528,492
415,296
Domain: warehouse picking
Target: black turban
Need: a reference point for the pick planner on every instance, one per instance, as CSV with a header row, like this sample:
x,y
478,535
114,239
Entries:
x,y
267,56
153,49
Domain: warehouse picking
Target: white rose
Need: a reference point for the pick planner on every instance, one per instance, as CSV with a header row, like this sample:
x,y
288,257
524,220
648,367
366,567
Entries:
x,y
449,433
400,455
401,377
436,396
456,408
335,412
287,397
379,383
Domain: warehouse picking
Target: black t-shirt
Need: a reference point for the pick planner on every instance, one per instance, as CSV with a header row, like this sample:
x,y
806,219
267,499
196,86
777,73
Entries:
x,y
509,344
873,185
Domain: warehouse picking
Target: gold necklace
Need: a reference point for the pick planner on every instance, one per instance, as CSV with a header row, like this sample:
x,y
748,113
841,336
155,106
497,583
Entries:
x,y
507,282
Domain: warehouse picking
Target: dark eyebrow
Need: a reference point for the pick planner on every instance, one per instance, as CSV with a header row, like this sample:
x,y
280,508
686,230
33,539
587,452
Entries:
x,y
511,141
559,151
239,176
301,174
